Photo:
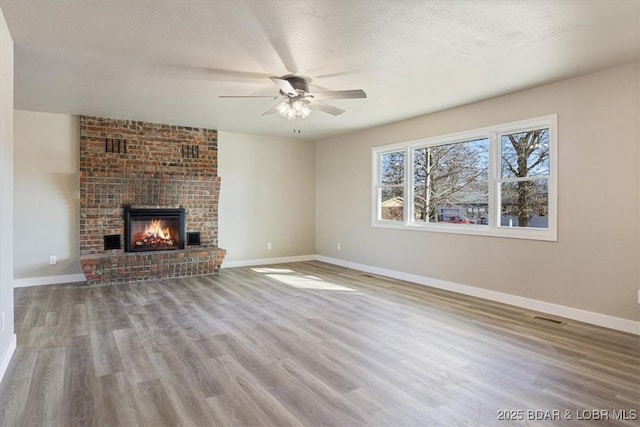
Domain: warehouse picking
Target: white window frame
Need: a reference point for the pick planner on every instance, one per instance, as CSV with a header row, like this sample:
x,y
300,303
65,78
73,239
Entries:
x,y
493,134
378,186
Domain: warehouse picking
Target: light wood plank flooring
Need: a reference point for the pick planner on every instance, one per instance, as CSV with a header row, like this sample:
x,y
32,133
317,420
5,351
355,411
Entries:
x,y
303,344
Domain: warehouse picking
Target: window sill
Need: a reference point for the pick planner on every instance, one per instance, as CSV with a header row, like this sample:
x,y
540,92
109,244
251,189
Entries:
x,y
544,234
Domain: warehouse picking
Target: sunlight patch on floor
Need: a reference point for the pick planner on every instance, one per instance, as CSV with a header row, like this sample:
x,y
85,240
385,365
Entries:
x,y
265,270
308,282
299,280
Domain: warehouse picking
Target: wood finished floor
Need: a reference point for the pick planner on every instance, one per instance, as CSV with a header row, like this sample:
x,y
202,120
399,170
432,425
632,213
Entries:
x,y
301,344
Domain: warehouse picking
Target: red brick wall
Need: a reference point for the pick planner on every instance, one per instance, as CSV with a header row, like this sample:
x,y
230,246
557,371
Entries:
x,y
126,162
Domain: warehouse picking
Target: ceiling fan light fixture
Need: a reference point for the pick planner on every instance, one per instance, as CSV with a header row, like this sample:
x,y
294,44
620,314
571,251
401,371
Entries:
x,y
283,108
304,111
291,109
291,114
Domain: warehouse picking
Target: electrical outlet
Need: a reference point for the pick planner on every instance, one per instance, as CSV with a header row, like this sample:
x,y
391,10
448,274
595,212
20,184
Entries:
x,y
638,297
339,247
269,246
53,259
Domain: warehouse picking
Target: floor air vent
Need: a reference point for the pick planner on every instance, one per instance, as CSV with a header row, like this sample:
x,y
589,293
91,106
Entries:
x,y
548,320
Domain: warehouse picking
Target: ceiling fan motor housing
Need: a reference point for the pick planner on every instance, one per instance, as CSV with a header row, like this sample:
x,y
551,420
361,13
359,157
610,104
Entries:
x,y
299,83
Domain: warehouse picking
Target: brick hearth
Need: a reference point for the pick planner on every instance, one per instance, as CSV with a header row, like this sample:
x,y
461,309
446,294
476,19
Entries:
x,y
144,165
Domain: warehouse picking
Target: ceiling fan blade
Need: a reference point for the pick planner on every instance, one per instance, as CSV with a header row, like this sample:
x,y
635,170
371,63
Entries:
x,y
284,86
247,96
185,72
340,94
270,110
237,74
338,74
269,19
321,106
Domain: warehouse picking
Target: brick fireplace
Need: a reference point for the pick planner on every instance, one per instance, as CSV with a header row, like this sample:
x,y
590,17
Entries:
x,y
147,169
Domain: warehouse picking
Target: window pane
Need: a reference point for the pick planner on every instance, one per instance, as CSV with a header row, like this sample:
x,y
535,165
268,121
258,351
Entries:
x,y
392,204
525,204
392,168
525,154
451,183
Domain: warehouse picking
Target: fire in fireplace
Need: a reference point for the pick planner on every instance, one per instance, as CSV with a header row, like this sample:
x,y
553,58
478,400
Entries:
x,y
153,229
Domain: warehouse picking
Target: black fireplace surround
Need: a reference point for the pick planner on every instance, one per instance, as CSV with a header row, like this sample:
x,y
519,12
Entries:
x,y
155,229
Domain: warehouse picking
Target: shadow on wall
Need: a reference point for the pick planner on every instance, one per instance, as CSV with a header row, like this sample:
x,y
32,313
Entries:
x,y
59,202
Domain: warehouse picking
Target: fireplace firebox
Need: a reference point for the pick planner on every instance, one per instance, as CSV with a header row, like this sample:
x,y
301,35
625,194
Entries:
x,y
154,229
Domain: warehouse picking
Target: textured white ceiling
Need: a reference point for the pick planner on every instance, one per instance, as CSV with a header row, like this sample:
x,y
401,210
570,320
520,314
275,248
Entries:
x,y
168,61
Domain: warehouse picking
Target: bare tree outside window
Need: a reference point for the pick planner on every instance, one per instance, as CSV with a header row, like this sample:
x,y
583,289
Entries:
x,y
392,171
524,175
451,182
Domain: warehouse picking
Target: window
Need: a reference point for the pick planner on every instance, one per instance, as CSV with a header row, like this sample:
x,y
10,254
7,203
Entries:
x,y
391,186
497,181
450,182
524,176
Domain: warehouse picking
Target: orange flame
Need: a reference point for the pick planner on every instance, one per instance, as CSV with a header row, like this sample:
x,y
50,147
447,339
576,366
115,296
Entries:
x,y
154,229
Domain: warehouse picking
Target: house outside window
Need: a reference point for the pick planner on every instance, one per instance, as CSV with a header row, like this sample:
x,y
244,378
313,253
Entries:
x,y
495,181
392,191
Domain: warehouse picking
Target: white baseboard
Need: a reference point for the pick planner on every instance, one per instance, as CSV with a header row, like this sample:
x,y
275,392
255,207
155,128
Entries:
x,y
48,280
6,358
598,319
264,261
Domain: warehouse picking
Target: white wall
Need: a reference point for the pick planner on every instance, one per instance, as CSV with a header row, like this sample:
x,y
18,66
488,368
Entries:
x,y
7,337
267,195
594,264
46,194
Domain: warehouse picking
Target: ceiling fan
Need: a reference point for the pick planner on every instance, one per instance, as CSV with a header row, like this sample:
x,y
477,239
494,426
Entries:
x,y
297,101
